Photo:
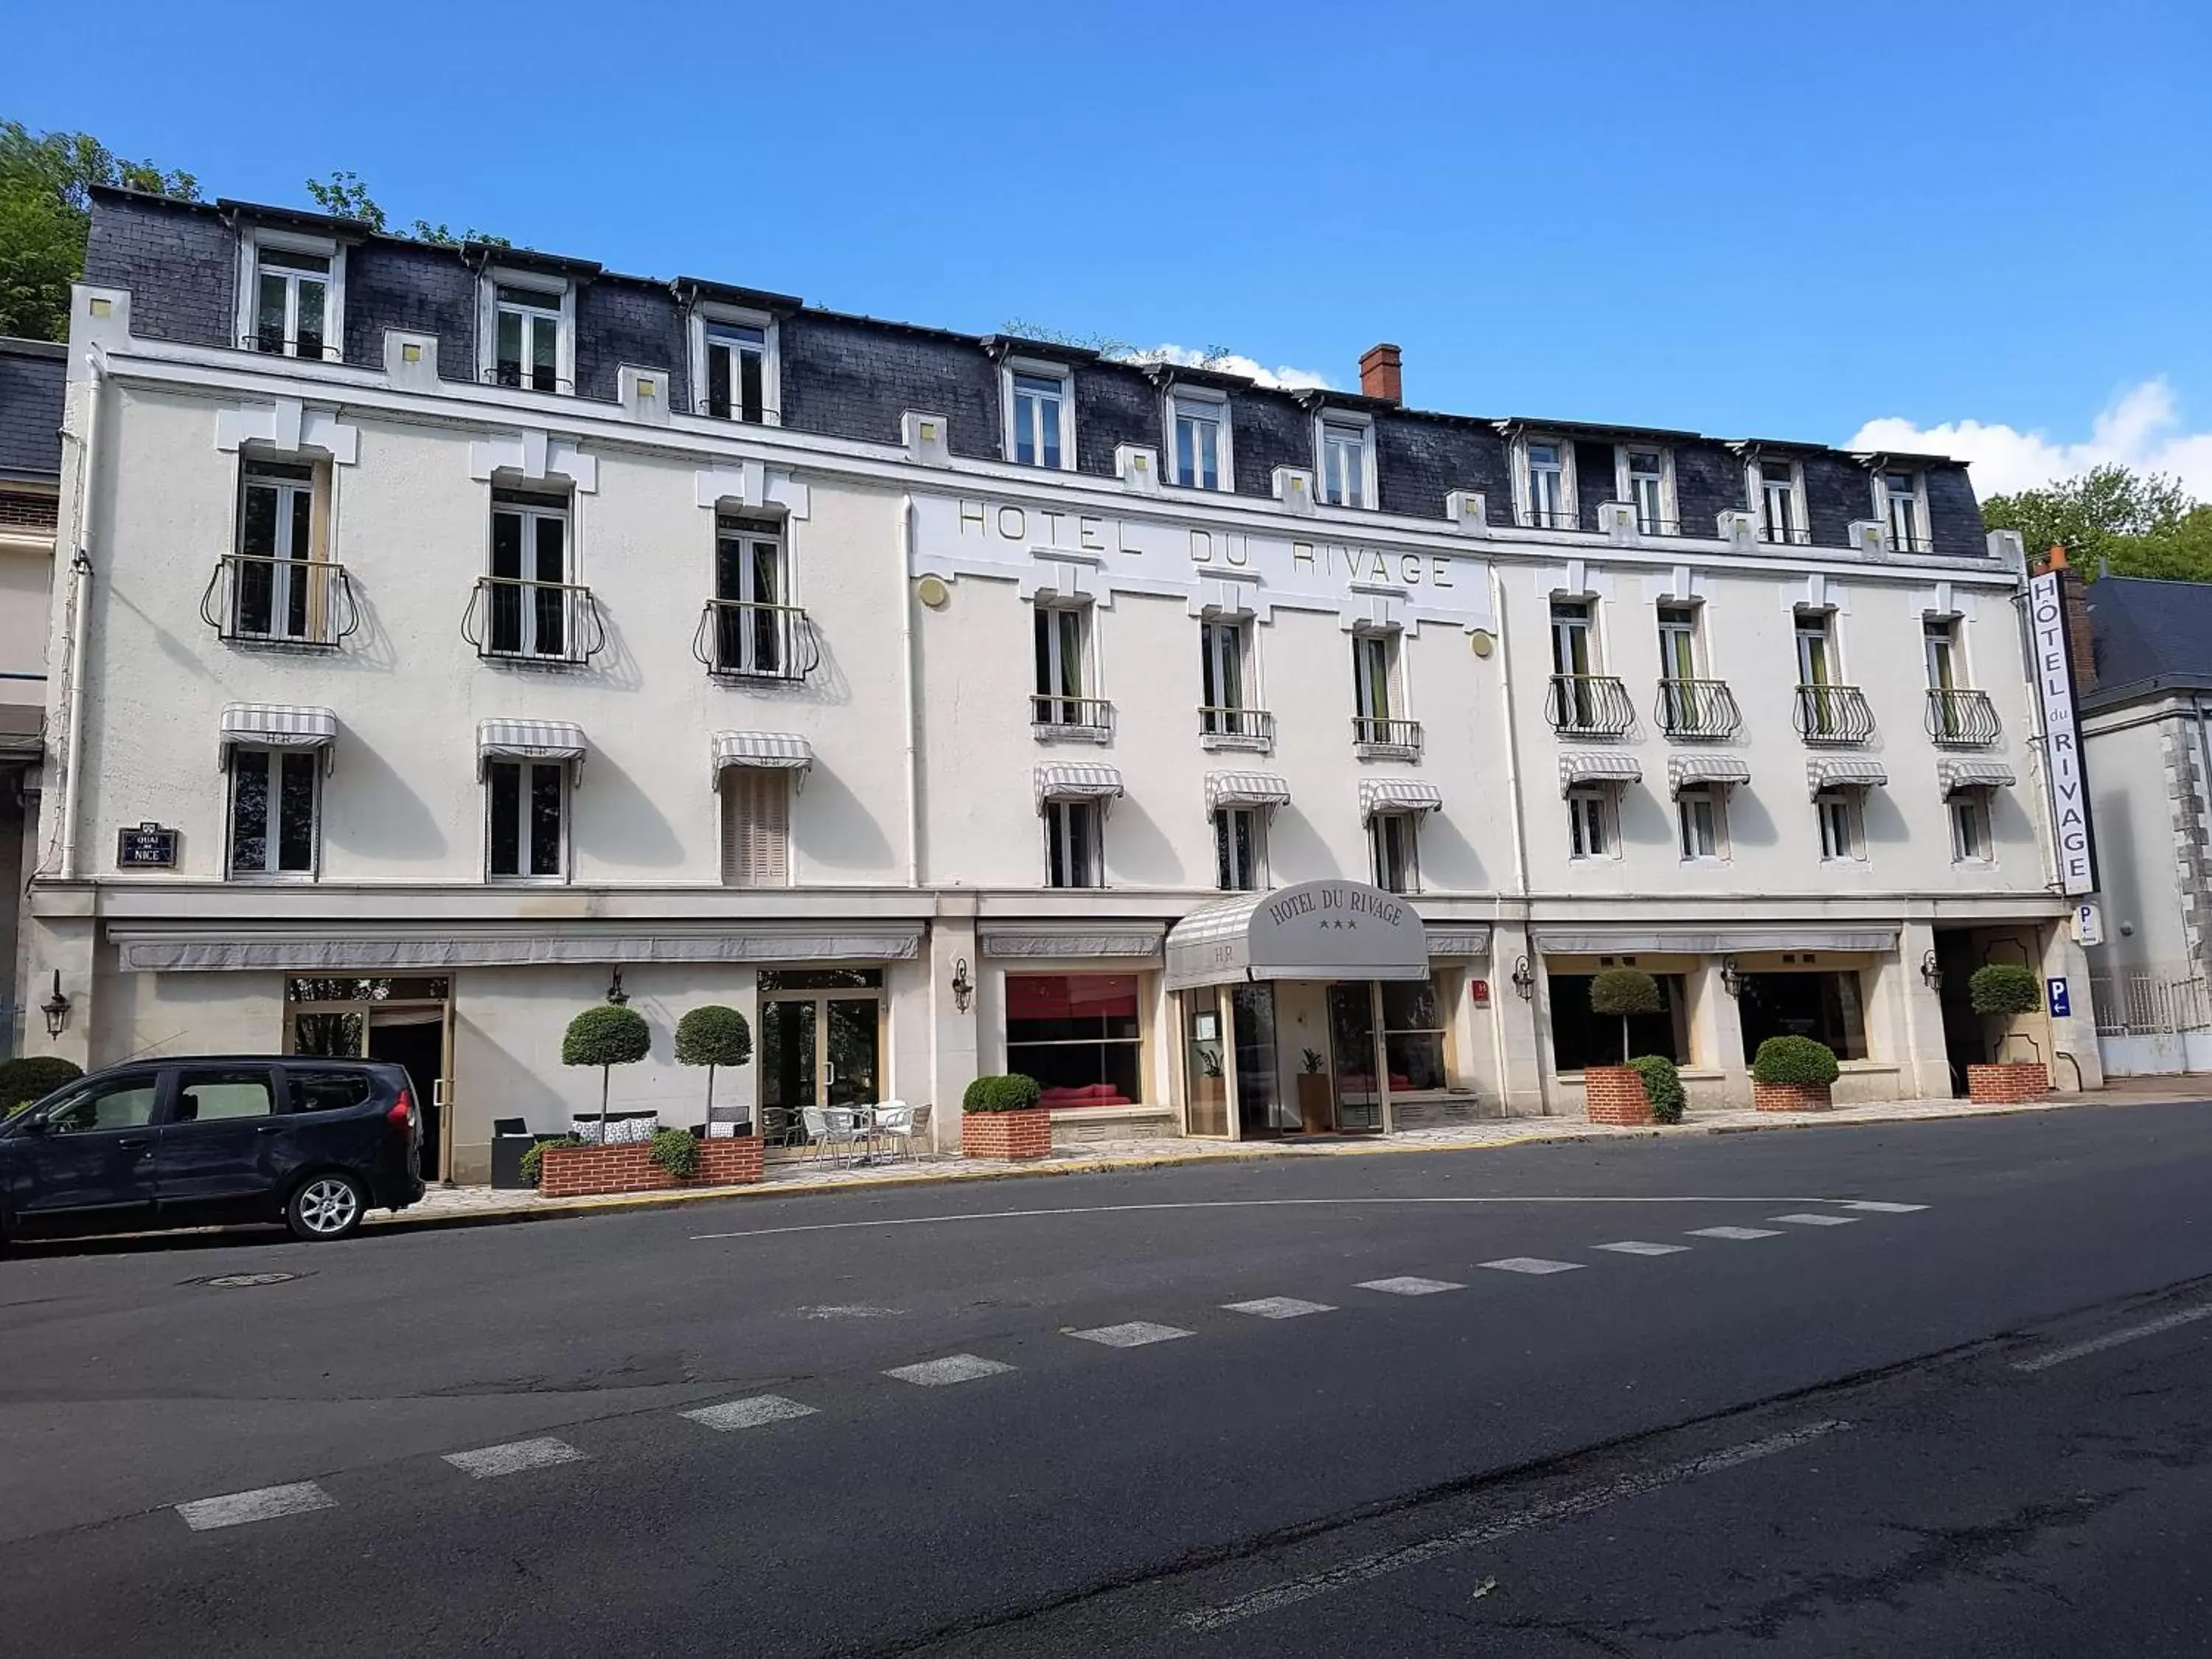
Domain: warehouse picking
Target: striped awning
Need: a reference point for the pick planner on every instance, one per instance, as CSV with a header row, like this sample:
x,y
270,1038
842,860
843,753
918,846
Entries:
x,y
1245,789
1832,773
780,751
1957,774
1598,766
545,740
1380,795
1076,780
1691,771
278,726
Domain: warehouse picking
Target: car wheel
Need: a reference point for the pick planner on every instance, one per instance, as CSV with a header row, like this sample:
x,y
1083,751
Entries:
x,y
327,1206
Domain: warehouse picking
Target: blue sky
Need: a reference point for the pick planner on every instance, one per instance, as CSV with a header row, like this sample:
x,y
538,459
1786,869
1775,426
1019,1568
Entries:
x,y
1787,220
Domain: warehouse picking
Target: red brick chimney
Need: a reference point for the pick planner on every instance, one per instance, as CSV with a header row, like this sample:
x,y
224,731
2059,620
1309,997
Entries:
x,y
2081,646
1378,374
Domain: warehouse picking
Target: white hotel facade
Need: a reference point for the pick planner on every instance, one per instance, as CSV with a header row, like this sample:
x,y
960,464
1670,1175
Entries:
x,y
489,628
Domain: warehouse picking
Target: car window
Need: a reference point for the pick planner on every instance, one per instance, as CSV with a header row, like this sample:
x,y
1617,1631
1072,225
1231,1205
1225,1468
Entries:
x,y
329,1091
116,1104
208,1095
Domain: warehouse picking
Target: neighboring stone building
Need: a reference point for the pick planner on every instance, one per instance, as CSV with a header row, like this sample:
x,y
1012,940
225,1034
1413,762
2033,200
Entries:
x,y
480,632
32,373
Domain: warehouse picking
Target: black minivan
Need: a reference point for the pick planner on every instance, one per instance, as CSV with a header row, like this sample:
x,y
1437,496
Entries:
x,y
210,1140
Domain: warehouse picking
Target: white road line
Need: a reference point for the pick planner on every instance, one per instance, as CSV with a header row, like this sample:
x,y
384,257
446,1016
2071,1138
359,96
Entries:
x,y
1734,1232
1807,1218
1641,1247
953,1368
1278,1307
1294,1590
1878,1207
514,1457
263,1504
1409,1286
749,1413
1137,1334
1529,1264
2043,1362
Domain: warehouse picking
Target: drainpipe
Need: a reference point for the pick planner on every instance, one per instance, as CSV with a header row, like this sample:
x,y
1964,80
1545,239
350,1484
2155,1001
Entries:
x,y
906,658
80,612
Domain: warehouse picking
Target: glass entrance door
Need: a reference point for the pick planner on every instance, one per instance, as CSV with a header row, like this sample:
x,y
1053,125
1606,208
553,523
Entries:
x,y
408,1021
817,1051
1351,1045
849,1042
1260,1107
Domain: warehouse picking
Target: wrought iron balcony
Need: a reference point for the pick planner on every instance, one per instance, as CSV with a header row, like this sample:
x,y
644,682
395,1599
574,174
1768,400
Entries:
x,y
1589,706
1962,720
512,619
1786,536
1070,720
1536,518
1833,715
297,605
276,343
533,377
1374,737
747,639
1697,710
1235,728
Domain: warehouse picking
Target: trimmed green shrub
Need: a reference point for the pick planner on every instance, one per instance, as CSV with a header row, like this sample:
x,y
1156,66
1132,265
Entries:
x,y
34,1076
711,1037
676,1151
1798,1059
1010,1093
534,1161
1624,992
606,1035
1662,1086
2003,988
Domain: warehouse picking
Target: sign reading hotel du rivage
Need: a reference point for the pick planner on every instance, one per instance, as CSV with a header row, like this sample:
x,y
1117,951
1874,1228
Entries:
x,y
1097,554
2073,836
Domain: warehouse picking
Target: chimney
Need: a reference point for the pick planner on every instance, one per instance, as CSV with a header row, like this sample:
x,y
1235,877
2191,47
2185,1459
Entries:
x,y
2080,642
1378,374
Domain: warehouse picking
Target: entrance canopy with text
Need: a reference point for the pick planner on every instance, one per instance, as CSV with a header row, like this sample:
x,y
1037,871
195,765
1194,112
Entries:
x,y
1319,930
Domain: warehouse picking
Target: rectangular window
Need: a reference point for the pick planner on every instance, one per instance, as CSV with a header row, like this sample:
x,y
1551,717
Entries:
x,y
1077,1034
1699,817
1072,849
1827,1006
530,595
1816,651
292,304
1372,658
1394,847
1221,679
1969,826
737,371
1236,849
1042,410
526,801
1414,1034
210,1096
1589,832
1545,467
756,826
1940,638
1678,641
1780,516
274,798
1643,473
756,627
272,590
1840,830
1581,1038
1062,667
1901,496
1344,462
1571,637
1200,442
526,338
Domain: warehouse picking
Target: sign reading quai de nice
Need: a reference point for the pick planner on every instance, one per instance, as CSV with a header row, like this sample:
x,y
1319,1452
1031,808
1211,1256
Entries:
x,y
2073,835
1103,554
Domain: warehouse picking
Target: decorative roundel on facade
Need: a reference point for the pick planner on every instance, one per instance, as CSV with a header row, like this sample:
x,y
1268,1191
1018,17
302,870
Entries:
x,y
1482,642
932,592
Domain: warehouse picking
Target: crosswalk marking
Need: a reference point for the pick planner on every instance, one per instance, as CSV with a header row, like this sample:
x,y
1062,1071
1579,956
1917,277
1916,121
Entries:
x,y
1879,1207
514,1457
1734,1232
1808,1219
1531,1264
1640,1247
1136,1334
1409,1286
953,1368
263,1504
1278,1307
749,1413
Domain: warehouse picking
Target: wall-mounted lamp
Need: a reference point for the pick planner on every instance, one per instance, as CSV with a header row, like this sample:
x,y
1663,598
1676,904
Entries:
x,y
962,988
56,1008
616,994
1931,972
1731,981
1524,979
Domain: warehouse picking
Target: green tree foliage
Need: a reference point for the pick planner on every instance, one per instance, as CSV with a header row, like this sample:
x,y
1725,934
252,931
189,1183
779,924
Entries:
x,y
344,195
1624,992
710,1037
45,209
606,1035
2003,988
34,1076
1010,1093
1662,1086
2138,524
1798,1060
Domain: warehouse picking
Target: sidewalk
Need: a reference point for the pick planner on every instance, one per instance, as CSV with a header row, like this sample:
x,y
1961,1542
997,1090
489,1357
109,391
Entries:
x,y
463,1206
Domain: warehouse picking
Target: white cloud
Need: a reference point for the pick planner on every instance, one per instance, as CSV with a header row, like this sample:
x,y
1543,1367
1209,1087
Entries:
x,y
1283,377
2141,428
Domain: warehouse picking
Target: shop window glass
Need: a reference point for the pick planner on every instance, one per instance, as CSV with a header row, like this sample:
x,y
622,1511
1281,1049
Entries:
x,y
820,979
1414,1034
1077,1035
1581,1038
1827,1006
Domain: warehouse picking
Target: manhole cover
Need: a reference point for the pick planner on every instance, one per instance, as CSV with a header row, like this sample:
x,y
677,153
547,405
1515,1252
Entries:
x,y
242,1281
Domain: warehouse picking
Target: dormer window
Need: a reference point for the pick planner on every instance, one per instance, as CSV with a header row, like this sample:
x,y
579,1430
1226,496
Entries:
x,y
1781,501
1646,480
1548,485
291,295
527,329
1198,439
734,367
1040,404
1346,452
1904,512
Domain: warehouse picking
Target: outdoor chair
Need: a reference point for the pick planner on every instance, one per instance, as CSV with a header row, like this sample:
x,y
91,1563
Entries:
x,y
828,1127
895,1121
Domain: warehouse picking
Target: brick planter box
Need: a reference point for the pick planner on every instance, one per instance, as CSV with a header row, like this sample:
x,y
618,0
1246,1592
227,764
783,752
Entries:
x,y
2000,1085
1615,1094
578,1171
1789,1097
1008,1135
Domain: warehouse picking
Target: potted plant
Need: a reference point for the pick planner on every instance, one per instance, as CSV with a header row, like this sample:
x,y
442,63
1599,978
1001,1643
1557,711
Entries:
x,y
2002,990
1615,1094
1316,1100
999,1118
1662,1087
606,1036
1792,1074
714,1036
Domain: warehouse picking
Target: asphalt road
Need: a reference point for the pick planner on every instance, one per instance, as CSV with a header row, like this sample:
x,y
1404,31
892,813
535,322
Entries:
x,y
1949,1398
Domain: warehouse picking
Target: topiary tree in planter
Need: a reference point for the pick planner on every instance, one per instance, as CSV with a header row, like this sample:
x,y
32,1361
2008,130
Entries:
x,y
2002,989
1010,1093
31,1078
606,1036
1624,992
1792,1074
1662,1086
711,1037
1000,1117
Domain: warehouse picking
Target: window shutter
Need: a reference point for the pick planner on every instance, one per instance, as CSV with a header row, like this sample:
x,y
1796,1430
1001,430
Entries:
x,y
756,827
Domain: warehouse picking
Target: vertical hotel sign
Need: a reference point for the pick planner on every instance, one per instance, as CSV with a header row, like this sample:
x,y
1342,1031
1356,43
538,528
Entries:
x,y
2073,838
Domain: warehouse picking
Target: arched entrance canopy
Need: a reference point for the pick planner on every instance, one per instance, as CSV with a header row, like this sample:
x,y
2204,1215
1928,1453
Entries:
x,y
1319,930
